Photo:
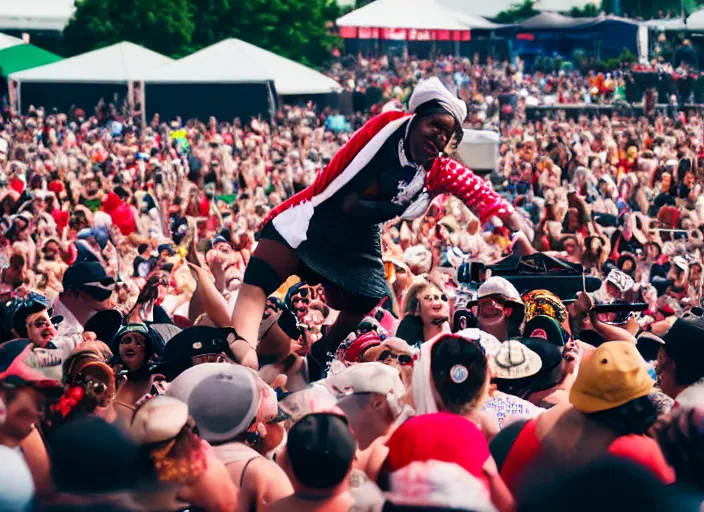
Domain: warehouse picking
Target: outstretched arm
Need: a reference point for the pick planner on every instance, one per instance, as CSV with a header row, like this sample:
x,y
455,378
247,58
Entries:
x,y
450,177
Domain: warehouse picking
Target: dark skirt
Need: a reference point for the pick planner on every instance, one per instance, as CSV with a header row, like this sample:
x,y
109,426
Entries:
x,y
346,256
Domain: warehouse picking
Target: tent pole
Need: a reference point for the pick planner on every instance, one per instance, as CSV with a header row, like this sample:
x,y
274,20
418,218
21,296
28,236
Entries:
x,y
12,96
130,98
142,104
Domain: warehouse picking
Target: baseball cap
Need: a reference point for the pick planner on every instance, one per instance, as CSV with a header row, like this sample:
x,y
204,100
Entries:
x,y
158,419
489,342
362,343
321,449
19,374
615,373
193,346
546,327
438,436
222,398
684,343
218,239
90,277
366,378
315,398
166,247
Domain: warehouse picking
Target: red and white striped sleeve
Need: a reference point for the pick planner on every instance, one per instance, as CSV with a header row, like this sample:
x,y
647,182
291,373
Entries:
x,y
450,177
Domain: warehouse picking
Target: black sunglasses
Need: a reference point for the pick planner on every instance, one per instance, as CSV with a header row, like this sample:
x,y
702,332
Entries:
x,y
404,359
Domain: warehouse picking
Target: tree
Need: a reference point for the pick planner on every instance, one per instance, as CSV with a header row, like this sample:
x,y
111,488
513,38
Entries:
x,y
165,26
207,20
361,3
517,12
298,29
588,11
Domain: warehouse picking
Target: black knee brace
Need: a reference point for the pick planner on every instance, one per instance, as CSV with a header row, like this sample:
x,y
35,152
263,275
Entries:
x,y
259,273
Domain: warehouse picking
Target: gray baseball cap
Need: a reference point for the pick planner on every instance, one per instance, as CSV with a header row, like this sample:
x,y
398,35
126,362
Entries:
x,y
222,398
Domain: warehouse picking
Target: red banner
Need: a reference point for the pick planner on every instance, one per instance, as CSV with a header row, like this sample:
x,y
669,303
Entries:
x,y
348,32
525,37
442,35
419,35
394,34
368,33
410,34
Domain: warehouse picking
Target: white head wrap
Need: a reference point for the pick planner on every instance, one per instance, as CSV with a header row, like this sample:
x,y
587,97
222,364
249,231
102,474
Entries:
x,y
432,89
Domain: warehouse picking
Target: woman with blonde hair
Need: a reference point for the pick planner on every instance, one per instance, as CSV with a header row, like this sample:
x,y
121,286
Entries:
x,y
426,311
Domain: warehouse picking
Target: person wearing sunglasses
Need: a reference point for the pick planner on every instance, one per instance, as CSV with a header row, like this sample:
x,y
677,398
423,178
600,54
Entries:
x,y
32,319
427,312
87,289
396,353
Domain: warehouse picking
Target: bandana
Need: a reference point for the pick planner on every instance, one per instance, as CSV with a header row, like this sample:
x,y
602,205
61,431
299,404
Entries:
x,y
432,89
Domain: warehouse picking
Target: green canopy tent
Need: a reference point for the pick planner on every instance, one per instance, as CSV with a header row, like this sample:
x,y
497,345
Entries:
x,y
24,56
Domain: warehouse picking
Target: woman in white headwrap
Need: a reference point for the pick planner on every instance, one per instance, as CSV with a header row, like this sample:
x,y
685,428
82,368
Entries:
x,y
329,232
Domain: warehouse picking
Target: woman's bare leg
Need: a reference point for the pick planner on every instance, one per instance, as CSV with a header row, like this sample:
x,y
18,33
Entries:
x,y
207,299
248,313
270,265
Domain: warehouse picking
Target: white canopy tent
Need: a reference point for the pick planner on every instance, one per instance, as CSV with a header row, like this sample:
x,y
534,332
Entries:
x,y
236,61
118,63
9,41
107,73
667,24
411,14
695,21
52,15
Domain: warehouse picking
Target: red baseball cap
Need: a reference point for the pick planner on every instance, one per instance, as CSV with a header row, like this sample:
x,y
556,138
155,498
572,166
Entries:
x,y
363,342
19,374
440,436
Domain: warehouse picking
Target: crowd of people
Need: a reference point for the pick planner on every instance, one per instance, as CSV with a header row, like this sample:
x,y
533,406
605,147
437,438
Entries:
x,y
279,315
